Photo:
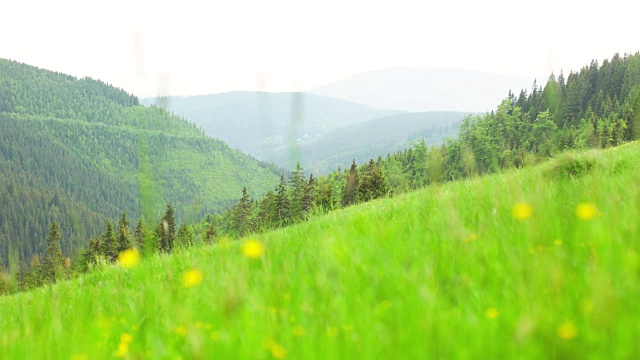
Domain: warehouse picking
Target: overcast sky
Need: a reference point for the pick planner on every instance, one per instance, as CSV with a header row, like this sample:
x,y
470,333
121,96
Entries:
x,y
195,47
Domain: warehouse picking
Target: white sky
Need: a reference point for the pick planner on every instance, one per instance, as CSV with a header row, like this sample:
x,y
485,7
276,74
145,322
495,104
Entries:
x,y
191,47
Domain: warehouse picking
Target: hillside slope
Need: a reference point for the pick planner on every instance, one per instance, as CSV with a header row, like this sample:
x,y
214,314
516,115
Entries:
x,y
72,151
374,138
425,89
534,263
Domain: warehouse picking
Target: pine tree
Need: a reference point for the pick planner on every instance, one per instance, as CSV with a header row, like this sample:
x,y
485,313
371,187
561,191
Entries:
x,y
139,235
53,262
310,195
242,215
171,226
210,233
349,191
109,243
124,234
296,187
33,275
282,206
184,236
91,253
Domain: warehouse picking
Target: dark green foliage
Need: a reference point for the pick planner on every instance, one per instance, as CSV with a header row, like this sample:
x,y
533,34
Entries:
x,y
310,195
91,253
571,165
373,184
33,276
243,215
109,243
166,231
281,204
296,189
138,236
53,264
124,239
184,237
84,151
350,189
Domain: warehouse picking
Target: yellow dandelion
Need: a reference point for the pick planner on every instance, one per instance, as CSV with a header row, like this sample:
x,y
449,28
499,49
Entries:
x,y
558,242
298,331
567,331
491,313
278,351
253,249
522,211
192,277
123,349
181,330
126,338
129,258
586,211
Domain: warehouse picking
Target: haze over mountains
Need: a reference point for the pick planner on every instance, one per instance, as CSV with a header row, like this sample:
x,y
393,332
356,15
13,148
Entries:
x,y
426,89
320,132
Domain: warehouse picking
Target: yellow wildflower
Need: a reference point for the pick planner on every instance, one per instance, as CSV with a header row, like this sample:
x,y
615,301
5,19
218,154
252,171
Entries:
x,y
558,242
253,249
181,330
129,258
567,331
192,277
278,351
123,349
586,211
491,313
522,211
126,338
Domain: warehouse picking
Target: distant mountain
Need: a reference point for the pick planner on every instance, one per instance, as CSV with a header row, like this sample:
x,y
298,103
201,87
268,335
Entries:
x,y
268,125
426,89
373,138
79,151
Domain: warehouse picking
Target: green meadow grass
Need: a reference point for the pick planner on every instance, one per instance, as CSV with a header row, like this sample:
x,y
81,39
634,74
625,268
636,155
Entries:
x,y
446,272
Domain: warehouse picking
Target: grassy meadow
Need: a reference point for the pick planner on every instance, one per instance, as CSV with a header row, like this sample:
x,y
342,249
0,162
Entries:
x,y
542,262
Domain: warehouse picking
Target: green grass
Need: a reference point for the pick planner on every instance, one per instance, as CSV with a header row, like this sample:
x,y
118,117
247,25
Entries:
x,y
408,277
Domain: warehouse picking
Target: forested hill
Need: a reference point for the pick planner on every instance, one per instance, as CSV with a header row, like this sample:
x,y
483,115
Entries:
x,y
268,125
79,152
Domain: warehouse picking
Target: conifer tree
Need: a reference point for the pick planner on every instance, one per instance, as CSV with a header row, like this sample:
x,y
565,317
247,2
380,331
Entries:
x,y
210,233
349,192
139,235
109,243
124,234
33,275
296,187
281,204
171,227
53,262
242,215
310,195
184,236
91,253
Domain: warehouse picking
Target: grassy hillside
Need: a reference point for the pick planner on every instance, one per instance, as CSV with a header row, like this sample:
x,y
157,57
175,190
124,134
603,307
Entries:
x,y
78,151
267,125
540,262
